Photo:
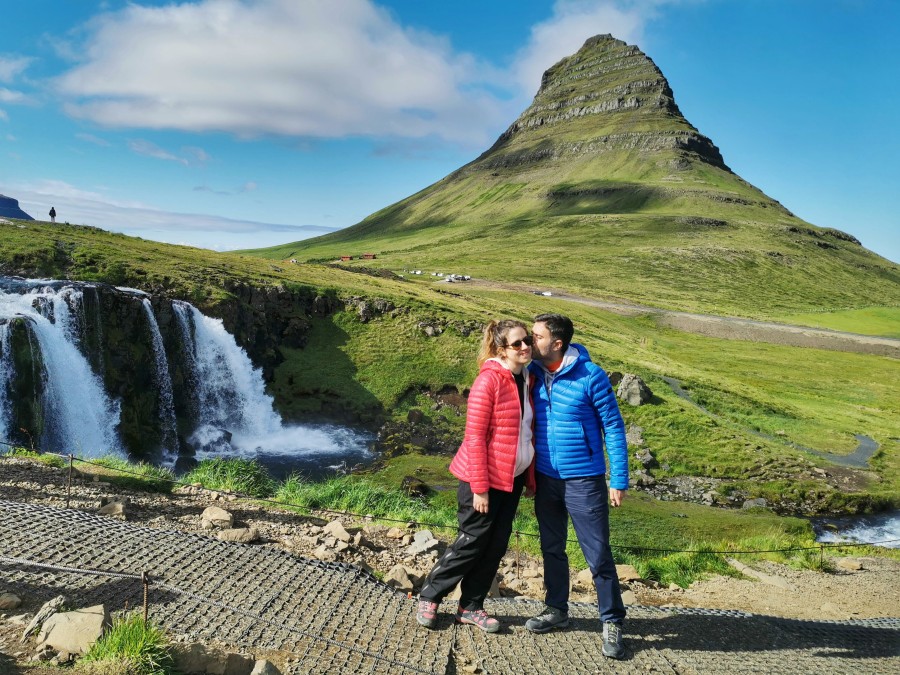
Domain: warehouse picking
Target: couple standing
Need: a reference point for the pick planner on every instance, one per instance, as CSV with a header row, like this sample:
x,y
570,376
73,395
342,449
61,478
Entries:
x,y
538,415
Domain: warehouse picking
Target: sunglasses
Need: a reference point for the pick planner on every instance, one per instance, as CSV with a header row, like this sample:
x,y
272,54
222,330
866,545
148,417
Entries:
x,y
527,341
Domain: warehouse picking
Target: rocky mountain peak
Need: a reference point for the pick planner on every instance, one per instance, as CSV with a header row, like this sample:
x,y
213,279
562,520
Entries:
x,y
609,95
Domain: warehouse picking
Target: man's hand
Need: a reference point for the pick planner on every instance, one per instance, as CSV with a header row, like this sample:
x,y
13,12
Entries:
x,y
480,501
616,496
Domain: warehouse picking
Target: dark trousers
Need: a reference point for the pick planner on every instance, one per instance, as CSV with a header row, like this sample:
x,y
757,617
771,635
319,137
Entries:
x,y
586,501
480,544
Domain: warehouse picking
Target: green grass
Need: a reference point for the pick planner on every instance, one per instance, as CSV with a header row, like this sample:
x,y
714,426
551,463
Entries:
x,y
130,647
242,476
881,321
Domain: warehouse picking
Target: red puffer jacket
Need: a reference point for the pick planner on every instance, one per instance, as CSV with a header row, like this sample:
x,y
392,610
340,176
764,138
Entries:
x,y
487,456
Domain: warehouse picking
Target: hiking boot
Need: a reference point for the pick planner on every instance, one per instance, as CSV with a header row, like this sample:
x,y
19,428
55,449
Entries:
x,y
479,618
547,620
612,640
426,614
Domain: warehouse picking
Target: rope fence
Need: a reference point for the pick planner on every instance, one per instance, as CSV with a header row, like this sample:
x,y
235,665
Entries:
x,y
821,546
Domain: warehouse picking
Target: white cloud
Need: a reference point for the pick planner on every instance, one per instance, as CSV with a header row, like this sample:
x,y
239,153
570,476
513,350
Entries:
x,y
148,149
4,116
86,207
253,67
10,96
573,22
11,67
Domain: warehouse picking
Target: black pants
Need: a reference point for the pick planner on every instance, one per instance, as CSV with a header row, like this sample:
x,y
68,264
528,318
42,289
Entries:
x,y
480,544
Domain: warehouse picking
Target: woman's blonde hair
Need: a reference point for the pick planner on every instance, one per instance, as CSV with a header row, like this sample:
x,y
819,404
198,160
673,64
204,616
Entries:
x,y
494,340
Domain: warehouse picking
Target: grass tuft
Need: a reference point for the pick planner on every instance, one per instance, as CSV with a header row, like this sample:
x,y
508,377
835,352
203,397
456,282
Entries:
x,y
243,476
133,647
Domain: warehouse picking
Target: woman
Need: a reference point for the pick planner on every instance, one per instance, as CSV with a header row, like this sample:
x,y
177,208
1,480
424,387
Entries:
x,y
493,464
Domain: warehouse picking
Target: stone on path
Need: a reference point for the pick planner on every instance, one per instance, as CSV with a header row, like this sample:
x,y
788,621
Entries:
x,y
627,573
399,577
47,610
849,564
239,535
760,576
9,601
74,632
336,529
217,517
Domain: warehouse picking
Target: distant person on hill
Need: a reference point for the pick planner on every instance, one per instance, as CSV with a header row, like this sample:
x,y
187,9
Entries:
x,y
494,463
575,412
52,214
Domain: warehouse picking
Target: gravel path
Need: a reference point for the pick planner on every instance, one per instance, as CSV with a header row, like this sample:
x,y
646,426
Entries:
x,y
335,618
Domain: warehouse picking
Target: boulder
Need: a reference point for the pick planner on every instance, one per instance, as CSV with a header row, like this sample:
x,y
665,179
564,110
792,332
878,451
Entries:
x,y
646,458
115,507
217,517
633,390
423,541
627,573
76,631
849,564
759,502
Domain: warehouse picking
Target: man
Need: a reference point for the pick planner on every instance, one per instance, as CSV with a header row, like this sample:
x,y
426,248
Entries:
x,y
575,410
52,214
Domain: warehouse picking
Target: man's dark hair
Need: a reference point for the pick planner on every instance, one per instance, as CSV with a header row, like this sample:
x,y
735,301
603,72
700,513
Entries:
x,y
560,327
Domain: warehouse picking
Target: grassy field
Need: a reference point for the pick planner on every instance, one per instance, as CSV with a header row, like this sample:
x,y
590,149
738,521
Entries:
x,y
883,321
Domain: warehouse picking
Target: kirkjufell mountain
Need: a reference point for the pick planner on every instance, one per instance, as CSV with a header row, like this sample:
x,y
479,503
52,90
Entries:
x,y
604,178
9,208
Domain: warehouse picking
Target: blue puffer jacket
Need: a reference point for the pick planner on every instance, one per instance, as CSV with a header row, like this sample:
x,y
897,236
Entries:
x,y
573,411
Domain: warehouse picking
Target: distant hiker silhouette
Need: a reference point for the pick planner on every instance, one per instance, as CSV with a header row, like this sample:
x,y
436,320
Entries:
x,y
52,215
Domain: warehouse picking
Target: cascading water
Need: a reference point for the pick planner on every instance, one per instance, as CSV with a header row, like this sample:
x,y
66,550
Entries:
x,y
6,375
220,395
163,384
78,415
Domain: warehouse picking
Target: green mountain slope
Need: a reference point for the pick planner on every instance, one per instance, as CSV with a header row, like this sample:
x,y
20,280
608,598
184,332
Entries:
x,y
602,187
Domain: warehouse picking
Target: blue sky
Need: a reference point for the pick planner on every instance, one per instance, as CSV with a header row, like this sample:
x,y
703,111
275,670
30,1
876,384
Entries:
x,y
243,123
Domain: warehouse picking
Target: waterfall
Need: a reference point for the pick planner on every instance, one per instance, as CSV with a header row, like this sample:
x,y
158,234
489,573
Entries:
x,y
78,415
163,384
229,391
218,394
6,376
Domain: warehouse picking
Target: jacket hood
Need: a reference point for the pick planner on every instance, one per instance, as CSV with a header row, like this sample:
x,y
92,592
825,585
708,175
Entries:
x,y
574,354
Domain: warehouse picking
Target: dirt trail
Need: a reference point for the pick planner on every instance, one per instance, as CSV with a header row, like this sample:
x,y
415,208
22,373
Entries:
x,y
728,327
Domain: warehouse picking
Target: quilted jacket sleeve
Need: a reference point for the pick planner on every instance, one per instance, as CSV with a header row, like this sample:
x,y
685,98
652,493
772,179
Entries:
x,y
479,412
613,425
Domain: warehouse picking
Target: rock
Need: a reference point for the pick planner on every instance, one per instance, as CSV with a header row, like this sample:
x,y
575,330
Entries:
x,y
238,664
627,573
47,610
628,597
754,503
647,460
9,601
423,541
398,577
76,631
217,517
195,658
239,535
263,667
325,554
414,487
415,416
849,564
336,529
633,391
359,540
395,533
584,580
634,435
114,507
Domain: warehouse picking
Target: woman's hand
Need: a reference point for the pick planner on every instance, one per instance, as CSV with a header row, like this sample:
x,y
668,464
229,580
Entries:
x,y
480,501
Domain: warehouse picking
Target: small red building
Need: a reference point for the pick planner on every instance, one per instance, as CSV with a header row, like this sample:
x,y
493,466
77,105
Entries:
x,y
346,258
367,256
